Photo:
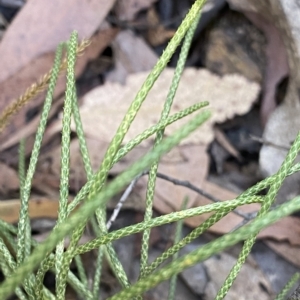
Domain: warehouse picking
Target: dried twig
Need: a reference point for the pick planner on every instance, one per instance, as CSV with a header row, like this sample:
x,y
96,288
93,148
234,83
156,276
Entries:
x,y
201,192
247,217
122,200
268,143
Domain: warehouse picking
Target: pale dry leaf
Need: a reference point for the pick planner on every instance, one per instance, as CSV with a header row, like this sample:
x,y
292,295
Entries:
x,y
126,10
250,284
27,50
286,229
286,250
56,20
13,87
104,107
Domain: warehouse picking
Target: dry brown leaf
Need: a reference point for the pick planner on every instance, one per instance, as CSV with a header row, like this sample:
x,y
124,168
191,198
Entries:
x,y
16,85
56,20
105,106
38,208
192,167
276,52
250,284
286,229
286,250
126,10
157,34
48,169
277,65
9,179
34,45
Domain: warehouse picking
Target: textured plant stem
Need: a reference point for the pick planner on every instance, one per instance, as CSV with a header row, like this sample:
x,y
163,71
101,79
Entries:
x,y
177,238
269,199
282,295
88,208
208,250
159,135
23,224
61,272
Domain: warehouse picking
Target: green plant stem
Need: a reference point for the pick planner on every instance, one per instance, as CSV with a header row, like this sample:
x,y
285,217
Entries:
x,y
218,215
88,208
208,250
7,265
115,144
166,219
131,144
61,270
177,238
269,199
159,135
23,219
221,209
282,295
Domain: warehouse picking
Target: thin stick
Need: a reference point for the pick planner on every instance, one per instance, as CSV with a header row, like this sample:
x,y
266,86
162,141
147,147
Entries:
x,y
201,192
122,200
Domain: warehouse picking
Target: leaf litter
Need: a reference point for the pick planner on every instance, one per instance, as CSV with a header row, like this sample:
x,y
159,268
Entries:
x,y
106,105
35,51
225,96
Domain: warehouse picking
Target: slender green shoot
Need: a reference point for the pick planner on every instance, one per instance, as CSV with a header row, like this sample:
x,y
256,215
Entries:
x,y
283,294
159,135
24,262
23,219
177,238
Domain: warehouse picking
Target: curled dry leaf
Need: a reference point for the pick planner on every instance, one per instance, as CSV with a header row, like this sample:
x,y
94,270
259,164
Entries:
x,y
286,250
104,107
